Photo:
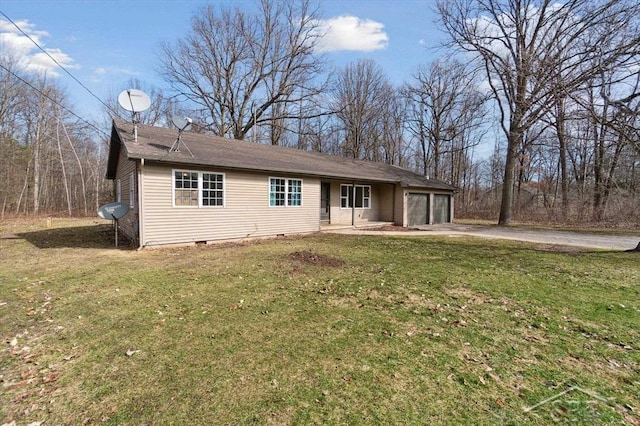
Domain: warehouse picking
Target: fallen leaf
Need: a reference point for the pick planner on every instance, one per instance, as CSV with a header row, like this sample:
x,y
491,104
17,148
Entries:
x,y
495,377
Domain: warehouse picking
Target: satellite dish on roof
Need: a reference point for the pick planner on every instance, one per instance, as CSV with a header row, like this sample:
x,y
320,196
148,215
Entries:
x,y
134,100
182,123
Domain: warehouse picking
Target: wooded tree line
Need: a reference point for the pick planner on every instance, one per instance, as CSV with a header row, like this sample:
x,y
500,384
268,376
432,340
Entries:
x,y
51,162
553,87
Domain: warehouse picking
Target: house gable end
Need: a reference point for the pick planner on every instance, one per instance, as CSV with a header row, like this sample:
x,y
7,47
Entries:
x,y
114,153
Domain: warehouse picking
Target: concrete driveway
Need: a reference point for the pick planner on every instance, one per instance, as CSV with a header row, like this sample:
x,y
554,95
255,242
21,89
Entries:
x,y
565,238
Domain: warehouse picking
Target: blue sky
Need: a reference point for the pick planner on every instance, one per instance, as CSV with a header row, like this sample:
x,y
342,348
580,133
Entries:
x,y
105,43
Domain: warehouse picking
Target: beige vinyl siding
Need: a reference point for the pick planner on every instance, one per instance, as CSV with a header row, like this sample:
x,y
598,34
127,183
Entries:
x,y
400,206
385,203
127,224
246,212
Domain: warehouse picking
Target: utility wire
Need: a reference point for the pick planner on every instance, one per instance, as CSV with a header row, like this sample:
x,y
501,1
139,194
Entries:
x,y
53,100
58,64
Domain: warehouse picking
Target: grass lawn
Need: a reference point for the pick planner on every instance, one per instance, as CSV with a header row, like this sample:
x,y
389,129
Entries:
x,y
323,329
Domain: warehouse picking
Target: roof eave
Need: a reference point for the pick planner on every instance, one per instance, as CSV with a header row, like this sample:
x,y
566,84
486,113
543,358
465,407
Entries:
x,y
288,171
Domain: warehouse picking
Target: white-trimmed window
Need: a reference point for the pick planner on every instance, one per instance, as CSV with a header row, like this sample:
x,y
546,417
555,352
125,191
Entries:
x,y
198,189
285,192
212,189
294,192
132,191
361,200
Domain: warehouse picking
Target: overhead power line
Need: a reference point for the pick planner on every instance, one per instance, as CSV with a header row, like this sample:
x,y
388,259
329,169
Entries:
x,y
53,100
59,64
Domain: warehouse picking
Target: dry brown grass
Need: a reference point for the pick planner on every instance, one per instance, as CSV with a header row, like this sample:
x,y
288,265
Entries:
x,y
324,329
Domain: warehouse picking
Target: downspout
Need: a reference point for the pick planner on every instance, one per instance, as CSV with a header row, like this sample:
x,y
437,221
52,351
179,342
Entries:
x,y
140,206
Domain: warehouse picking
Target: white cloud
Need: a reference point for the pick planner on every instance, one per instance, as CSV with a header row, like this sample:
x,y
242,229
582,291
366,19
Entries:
x,y
100,73
351,33
27,27
28,56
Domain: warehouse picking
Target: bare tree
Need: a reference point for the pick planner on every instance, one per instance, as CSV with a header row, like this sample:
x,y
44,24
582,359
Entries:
x,y
158,114
446,107
48,157
241,70
524,44
361,94
13,99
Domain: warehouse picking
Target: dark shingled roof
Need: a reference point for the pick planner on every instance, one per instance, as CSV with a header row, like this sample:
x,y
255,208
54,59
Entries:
x,y
154,143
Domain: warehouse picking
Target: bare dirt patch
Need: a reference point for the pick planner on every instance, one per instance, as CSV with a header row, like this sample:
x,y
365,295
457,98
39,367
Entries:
x,y
387,228
309,258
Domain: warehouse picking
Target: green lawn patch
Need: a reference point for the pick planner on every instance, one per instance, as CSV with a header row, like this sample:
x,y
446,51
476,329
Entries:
x,y
323,329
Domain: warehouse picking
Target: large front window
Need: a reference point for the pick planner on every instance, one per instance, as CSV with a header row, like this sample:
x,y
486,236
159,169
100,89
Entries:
x,y
285,192
361,200
197,189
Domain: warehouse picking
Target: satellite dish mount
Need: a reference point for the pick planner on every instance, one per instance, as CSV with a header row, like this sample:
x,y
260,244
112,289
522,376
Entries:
x,y
182,123
113,211
136,101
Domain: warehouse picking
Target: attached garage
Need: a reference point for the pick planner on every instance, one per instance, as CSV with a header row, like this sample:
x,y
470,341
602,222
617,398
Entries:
x,y
441,208
417,209
425,208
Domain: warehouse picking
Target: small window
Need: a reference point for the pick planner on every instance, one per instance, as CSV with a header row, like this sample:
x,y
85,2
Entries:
x,y
362,199
132,191
285,192
345,196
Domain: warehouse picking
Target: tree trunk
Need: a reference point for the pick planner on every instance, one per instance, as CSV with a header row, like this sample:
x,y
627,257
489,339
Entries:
x,y
64,170
513,143
80,168
36,170
562,147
